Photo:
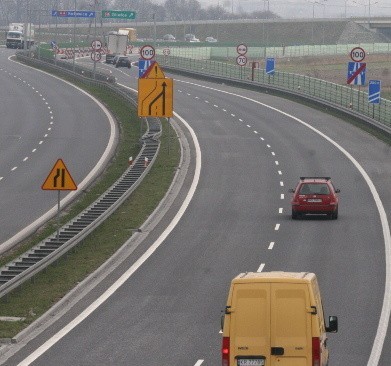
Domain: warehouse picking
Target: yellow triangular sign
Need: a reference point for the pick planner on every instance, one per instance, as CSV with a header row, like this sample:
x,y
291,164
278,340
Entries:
x,y
59,178
154,72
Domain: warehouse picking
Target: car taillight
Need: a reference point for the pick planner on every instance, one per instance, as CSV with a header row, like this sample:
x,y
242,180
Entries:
x,y
315,351
225,351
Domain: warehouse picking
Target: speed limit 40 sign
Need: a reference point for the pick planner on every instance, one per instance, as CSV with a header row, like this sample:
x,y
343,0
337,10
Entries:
x,y
147,52
357,54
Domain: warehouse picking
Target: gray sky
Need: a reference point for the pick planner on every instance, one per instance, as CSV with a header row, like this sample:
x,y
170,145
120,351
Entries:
x,y
310,8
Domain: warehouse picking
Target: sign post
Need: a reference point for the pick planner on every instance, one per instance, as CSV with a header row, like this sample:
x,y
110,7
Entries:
x,y
59,179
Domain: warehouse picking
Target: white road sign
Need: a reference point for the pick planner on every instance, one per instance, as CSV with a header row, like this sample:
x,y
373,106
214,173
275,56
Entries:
x,y
241,60
96,45
357,54
96,56
147,52
241,49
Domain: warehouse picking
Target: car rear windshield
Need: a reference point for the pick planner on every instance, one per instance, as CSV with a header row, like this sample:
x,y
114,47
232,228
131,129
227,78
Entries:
x,y
314,188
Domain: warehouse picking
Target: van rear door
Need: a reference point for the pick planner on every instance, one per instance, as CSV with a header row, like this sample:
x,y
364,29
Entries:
x,y
270,324
291,338
250,324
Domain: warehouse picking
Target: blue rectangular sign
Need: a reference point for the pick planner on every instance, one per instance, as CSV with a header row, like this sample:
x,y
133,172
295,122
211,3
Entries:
x,y
143,66
270,65
73,14
356,73
374,88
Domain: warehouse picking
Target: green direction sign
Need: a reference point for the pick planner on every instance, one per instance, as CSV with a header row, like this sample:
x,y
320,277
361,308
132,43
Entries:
x,y
118,14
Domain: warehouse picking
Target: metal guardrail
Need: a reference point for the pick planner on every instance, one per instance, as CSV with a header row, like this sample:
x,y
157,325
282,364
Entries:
x,y
52,248
346,98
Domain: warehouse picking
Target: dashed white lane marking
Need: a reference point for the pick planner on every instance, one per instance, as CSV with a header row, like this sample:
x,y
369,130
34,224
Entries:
x,y
281,183
280,210
1,178
232,115
248,126
268,146
277,227
260,268
33,150
199,363
14,168
273,153
282,196
215,105
207,101
256,132
224,110
41,142
262,138
280,172
277,163
26,158
240,120
386,307
271,245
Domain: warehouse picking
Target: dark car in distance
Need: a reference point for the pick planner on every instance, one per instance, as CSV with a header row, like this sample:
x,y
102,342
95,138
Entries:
x,y
315,196
123,61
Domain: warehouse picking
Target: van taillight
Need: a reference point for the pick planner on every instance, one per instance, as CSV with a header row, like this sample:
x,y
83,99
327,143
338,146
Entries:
x,y
225,351
315,351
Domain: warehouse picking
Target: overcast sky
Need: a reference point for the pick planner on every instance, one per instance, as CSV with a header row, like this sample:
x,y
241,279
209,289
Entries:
x,y
309,8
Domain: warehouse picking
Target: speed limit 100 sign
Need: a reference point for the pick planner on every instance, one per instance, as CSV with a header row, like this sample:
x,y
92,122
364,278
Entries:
x,y
357,54
147,52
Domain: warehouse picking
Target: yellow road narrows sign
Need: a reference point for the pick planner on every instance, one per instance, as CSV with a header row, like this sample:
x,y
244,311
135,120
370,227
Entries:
x,y
155,97
59,178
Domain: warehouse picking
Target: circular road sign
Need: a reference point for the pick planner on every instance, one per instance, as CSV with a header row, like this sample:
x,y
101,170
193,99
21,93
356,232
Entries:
x,y
96,45
357,54
241,60
241,49
147,52
166,51
96,56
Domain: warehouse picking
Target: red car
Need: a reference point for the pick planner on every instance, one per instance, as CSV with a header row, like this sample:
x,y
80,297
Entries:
x,y
315,195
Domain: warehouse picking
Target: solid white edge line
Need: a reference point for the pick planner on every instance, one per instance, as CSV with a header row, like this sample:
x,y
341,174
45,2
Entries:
x,y
117,284
386,308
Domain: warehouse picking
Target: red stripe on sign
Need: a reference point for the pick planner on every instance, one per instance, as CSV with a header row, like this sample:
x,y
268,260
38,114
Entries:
x,y
147,71
356,73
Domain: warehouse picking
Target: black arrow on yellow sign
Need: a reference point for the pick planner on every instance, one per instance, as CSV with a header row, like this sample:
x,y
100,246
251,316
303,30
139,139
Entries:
x,y
59,178
155,97
160,95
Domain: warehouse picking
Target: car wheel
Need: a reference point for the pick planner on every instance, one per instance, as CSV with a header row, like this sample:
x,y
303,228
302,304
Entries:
x,y
335,215
294,215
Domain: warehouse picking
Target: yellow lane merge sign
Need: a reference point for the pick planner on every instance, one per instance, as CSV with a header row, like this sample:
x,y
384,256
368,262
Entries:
x,y
155,97
59,178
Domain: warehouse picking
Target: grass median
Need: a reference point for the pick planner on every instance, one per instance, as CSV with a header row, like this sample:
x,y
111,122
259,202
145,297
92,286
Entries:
x,y
36,296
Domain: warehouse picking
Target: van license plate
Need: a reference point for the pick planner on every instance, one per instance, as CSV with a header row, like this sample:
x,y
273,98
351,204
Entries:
x,y
251,362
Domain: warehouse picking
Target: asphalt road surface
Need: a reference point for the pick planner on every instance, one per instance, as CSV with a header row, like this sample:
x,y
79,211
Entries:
x,y
254,147
43,119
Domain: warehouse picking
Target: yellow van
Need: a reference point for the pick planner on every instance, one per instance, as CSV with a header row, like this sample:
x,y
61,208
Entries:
x,y
275,318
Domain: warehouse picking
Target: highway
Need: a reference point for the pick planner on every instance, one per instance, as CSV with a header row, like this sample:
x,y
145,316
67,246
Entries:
x,y
44,119
253,148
